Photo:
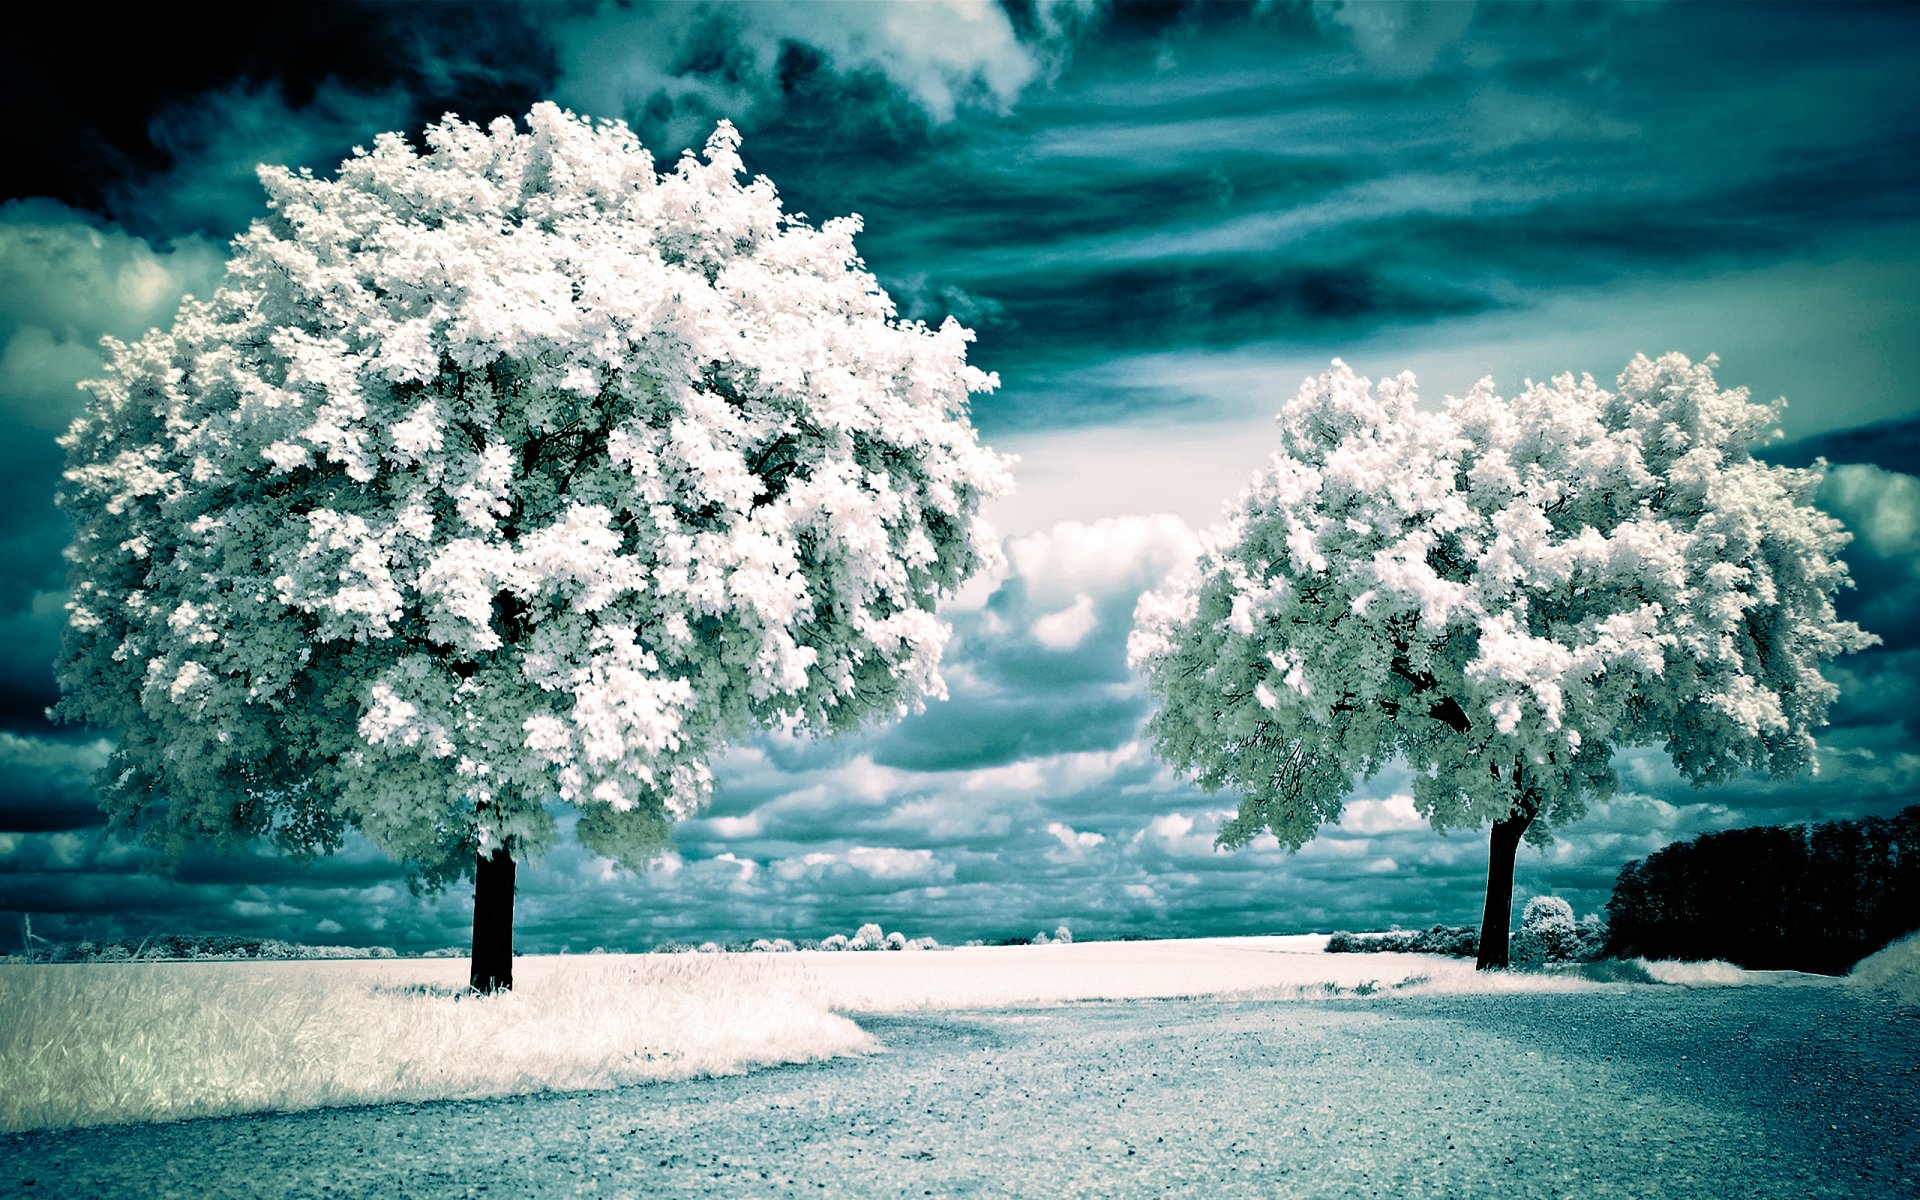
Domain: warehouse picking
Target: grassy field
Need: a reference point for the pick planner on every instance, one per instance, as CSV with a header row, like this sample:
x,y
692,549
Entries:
x,y
86,1044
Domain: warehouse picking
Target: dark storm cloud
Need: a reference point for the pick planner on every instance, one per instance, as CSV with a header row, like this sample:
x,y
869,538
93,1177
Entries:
x,y
1894,445
47,786
33,581
120,101
1202,180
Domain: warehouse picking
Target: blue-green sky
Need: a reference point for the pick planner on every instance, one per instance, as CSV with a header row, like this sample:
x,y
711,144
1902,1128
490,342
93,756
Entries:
x,y
1158,218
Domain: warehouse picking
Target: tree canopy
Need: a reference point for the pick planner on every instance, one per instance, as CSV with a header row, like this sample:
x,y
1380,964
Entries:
x,y
1796,897
506,469
1501,593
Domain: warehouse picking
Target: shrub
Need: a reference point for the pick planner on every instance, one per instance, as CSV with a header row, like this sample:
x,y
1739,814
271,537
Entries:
x,y
1459,941
1548,933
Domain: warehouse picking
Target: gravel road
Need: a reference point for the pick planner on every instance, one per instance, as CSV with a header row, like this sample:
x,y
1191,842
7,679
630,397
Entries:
x,y
1748,1092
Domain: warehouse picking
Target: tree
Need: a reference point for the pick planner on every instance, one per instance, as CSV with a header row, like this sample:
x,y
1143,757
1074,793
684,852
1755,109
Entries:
x,y
504,472
1500,594
1549,932
1798,897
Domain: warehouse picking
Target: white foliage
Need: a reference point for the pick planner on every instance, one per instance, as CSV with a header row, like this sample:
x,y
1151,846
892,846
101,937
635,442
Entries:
x,y
1503,592
508,470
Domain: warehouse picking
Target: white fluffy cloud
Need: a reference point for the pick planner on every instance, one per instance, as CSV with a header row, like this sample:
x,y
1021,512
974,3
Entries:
x,y
1067,628
1882,510
1073,559
705,60
65,281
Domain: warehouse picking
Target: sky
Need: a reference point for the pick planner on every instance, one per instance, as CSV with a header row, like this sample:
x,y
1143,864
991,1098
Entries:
x,y
1159,219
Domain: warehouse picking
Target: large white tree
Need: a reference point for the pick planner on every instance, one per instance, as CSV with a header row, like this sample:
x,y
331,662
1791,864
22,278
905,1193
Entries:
x,y
1501,593
504,473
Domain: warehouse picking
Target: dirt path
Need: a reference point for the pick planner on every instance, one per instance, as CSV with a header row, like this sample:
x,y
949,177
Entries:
x,y
1753,1092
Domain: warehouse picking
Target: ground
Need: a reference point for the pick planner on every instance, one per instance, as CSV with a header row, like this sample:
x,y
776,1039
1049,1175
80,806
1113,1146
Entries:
x,y
1758,1090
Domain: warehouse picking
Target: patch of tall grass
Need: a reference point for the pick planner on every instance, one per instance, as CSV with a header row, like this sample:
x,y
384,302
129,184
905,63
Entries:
x,y
89,1044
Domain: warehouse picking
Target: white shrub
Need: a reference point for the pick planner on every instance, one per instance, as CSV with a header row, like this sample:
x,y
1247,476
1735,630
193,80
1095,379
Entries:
x,y
1549,933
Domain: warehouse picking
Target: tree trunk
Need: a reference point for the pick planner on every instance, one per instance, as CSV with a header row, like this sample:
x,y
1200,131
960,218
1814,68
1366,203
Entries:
x,y
1498,914
493,923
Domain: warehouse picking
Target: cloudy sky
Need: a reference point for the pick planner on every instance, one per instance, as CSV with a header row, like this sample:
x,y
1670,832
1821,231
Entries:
x,y
1159,219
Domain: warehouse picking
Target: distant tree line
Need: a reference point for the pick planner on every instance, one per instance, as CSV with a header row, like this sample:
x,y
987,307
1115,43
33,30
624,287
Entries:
x,y
170,946
1460,941
1799,897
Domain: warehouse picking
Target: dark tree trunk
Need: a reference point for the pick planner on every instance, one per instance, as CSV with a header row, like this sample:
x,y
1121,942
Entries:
x,y
1498,914
493,923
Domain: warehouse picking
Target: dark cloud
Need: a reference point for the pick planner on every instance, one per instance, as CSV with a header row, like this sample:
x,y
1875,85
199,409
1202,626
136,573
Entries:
x,y
47,786
121,102
1894,445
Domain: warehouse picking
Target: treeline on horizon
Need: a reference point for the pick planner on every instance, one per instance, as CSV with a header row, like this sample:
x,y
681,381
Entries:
x,y
1814,898
1773,897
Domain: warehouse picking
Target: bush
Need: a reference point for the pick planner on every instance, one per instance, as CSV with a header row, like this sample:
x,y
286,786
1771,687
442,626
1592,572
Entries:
x,y
868,937
1460,941
1550,934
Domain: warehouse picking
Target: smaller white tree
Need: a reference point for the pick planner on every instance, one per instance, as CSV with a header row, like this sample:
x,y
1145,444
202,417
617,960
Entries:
x,y
1548,932
1501,593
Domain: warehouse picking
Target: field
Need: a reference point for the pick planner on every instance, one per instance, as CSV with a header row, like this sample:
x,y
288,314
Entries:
x,y
102,1043
1254,1066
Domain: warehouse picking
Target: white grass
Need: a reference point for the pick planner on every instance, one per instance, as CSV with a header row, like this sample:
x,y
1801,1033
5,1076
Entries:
x,y
1265,968
84,1044
1893,972
95,1043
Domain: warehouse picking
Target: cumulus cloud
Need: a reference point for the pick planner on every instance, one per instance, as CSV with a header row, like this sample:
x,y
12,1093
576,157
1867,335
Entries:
x,y
1110,555
66,280
1153,262
1882,510
1067,628
680,66
1394,814
1074,843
